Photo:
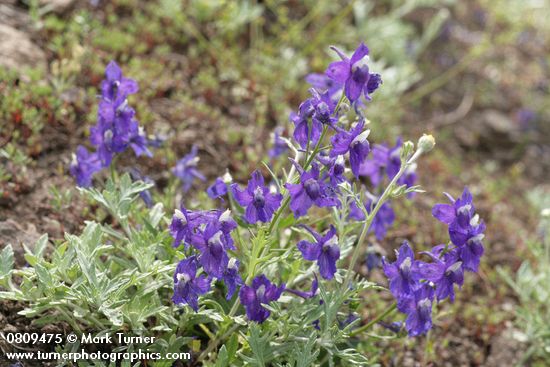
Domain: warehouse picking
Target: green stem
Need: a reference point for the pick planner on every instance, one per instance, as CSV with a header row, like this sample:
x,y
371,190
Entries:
x,y
369,219
378,318
214,343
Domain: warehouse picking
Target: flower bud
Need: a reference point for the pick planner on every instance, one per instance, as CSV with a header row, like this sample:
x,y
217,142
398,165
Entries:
x,y
426,143
227,179
406,150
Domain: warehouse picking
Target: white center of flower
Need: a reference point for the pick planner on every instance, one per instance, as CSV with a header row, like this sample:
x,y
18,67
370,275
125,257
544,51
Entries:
x,y
226,216
359,64
464,209
425,304
361,137
183,277
261,291
406,265
454,268
108,136
178,214
476,238
232,263
474,221
332,241
216,238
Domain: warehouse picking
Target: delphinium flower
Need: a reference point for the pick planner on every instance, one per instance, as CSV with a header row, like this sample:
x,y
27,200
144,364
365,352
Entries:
x,y
355,142
261,291
383,219
187,226
259,202
403,274
415,284
310,190
279,145
418,308
116,128
187,286
444,272
186,169
354,74
211,244
217,189
324,250
84,165
465,228
313,113
335,168
232,278
183,226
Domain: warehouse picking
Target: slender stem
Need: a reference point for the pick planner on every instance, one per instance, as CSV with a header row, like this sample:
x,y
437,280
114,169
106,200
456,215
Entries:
x,y
378,318
214,343
369,219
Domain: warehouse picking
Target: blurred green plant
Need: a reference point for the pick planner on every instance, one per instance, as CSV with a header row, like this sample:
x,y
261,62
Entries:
x,y
531,283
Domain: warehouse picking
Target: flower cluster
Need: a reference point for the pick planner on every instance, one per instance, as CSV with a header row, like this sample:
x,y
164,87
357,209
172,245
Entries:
x,y
416,284
115,131
209,233
317,184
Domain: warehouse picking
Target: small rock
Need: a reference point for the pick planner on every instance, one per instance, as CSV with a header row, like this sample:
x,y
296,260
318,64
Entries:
x,y
17,51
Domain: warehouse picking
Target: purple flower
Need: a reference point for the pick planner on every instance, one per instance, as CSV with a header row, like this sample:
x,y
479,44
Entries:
x,y
303,130
465,228
115,87
324,250
262,291
310,191
260,203
279,145
354,73
320,109
444,273
335,169
232,278
186,169
187,286
418,308
116,127
355,142
306,295
186,226
183,226
217,189
403,274
83,166
212,245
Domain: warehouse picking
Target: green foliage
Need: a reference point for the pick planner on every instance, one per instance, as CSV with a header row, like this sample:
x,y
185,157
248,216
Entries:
x,y
532,285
